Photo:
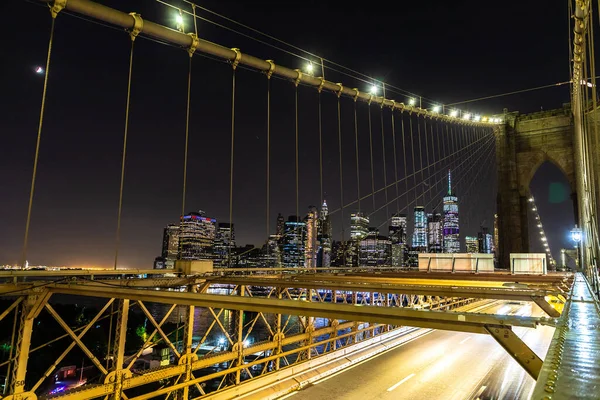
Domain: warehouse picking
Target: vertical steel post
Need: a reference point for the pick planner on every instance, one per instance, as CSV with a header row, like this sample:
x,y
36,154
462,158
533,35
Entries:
x,y
277,337
119,347
240,338
187,351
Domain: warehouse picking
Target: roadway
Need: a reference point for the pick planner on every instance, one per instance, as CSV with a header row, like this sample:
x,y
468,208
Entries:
x,y
440,365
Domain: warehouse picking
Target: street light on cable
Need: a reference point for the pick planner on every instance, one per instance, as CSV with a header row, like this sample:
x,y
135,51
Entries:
x,y
309,68
373,90
179,21
411,102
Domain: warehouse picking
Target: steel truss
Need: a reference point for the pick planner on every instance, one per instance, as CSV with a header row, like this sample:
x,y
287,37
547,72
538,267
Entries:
x,y
302,317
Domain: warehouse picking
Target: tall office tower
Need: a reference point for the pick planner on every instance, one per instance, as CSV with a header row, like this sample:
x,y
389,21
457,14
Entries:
x,y
435,237
280,225
324,237
374,249
451,236
495,239
272,252
419,239
170,247
359,226
224,244
293,239
397,237
197,237
472,244
485,241
311,244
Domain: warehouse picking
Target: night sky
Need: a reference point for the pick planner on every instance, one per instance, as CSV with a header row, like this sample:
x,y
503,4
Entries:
x,y
444,51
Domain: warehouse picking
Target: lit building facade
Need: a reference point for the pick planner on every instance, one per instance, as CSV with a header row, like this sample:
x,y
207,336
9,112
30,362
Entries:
x,y
435,237
170,247
496,238
197,237
419,239
324,239
359,226
485,241
451,226
397,237
292,243
472,244
374,250
224,244
311,245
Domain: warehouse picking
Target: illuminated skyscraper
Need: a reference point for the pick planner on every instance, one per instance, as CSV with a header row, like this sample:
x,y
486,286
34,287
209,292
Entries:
x,y
280,225
324,237
451,231
359,226
397,236
472,244
224,243
311,245
374,249
435,237
294,236
485,241
419,239
495,239
170,247
196,241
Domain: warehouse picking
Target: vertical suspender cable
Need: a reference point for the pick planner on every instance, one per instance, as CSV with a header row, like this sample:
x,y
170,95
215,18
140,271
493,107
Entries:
x,y
371,151
320,149
185,150
39,138
339,123
268,195
231,156
420,160
356,151
404,158
412,151
124,155
297,153
427,154
387,210
395,160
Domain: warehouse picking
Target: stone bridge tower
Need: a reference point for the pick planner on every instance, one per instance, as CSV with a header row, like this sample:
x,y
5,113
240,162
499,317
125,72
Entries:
x,y
523,143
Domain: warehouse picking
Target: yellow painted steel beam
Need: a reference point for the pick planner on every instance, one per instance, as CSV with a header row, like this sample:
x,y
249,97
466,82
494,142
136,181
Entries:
x,y
517,349
466,322
422,288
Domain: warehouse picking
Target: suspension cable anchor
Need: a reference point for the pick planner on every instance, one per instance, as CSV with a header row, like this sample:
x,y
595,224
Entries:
x,y
57,7
271,69
138,25
370,99
238,57
356,95
393,106
320,88
194,45
339,92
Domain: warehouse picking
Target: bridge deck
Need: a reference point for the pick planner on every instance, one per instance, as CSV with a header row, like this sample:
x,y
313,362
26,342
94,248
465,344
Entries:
x,y
571,369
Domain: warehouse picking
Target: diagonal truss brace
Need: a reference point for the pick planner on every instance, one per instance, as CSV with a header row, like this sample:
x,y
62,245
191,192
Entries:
x,y
76,338
517,349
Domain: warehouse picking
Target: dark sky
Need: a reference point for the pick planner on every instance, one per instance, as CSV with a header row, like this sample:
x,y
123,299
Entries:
x,y
445,51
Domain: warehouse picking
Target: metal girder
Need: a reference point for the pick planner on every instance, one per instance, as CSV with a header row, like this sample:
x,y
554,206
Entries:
x,y
465,322
547,307
449,290
518,350
10,308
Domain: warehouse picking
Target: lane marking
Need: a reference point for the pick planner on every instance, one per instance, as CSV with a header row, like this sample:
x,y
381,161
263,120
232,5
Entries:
x,y
481,390
465,339
400,383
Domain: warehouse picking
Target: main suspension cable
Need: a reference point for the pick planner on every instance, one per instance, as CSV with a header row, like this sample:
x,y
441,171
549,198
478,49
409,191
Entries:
x,y
384,163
